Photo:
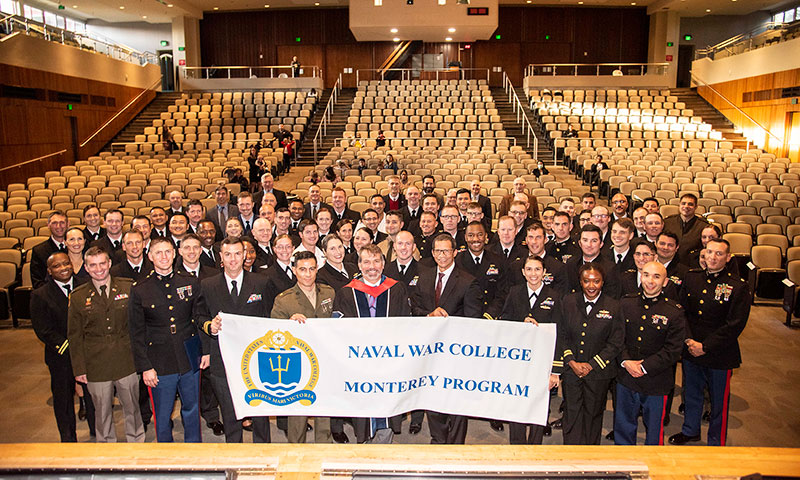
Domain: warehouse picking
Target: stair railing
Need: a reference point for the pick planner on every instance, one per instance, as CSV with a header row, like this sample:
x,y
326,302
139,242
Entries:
x,y
326,117
699,81
522,117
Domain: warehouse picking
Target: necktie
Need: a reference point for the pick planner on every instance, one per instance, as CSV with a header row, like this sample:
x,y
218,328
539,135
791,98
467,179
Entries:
x,y
477,261
589,306
294,225
619,258
61,247
68,288
403,269
344,274
136,269
313,211
533,299
439,288
289,272
505,252
221,213
234,292
373,305
177,244
103,291
247,225
116,244
414,213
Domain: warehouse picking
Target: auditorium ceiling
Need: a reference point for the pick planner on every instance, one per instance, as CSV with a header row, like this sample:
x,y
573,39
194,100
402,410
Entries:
x,y
161,11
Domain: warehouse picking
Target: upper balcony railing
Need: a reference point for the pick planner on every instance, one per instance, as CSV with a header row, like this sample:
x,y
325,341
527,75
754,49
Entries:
x,y
761,36
595,69
17,24
258,71
450,73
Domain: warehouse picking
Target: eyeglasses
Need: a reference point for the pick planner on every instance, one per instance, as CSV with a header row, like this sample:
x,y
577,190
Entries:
x,y
517,212
643,254
600,215
449,217
438,251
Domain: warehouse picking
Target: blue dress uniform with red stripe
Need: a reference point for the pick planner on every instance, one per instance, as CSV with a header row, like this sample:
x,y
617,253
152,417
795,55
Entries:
x,y
595,338
717,306
654,332
165,337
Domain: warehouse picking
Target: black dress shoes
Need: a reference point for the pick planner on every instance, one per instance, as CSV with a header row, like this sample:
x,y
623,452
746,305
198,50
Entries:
x,y
496,425
681,439
557,424
548,430
340,437
217,428
81,409
610,435
707,416
681,408
415,428
247,426
309,428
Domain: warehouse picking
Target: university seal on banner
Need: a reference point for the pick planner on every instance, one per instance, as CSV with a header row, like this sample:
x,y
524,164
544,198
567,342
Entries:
x,y
279,369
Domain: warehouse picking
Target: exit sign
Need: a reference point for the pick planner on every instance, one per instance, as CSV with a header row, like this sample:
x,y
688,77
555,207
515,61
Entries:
x,y
477,11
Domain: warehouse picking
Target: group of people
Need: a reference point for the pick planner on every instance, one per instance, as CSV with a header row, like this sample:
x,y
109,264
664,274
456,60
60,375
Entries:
x,y
632,294
258,166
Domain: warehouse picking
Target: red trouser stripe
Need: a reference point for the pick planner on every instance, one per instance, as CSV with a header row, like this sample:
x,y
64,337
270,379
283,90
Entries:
x,y
153,407
723,434
663,415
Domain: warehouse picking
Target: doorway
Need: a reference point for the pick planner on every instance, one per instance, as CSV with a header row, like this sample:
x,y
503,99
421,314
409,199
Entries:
x,y
685,58
792,136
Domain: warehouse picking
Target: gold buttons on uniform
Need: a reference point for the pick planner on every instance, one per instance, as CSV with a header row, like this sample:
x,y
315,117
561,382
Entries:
x,y
641,328
582,344
699,312
584,324
644,317
639,338
583,334
171,307
647,307
169,296
171,319
701,301
705,291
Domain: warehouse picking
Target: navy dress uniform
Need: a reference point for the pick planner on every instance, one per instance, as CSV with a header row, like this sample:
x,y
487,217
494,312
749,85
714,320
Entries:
x,y
717,306
654,332
544,306
165,337
596,338
555,274
491,277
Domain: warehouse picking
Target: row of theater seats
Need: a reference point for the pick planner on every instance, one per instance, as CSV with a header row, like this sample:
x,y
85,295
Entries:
x,y
228,120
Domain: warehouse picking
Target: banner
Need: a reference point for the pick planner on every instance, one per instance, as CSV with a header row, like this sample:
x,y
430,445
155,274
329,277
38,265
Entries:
x,y
379,367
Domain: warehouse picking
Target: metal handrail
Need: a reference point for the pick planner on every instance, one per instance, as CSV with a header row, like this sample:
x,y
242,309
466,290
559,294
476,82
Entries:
x,y
337,140
736,107
209,71
661,67
522,117
406,73
648,141
326,116
16,165
730,43
61,35
136,98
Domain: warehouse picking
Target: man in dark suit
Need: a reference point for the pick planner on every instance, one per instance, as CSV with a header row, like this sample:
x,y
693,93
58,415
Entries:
x,y
222,211
165,340
232,291
315,203
246,214
58,224
262,234
158,220
91,218
394,200
268,186
482,200
505,245
49,319
442,291
135,266
111,242
687,226
280,276
591,245
175,198
188,260
340,210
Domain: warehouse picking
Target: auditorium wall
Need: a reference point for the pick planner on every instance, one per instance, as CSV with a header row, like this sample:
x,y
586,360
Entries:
x,y
576,35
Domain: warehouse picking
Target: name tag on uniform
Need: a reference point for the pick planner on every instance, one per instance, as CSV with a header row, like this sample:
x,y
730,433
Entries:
x,y
256,297
184,292
121,296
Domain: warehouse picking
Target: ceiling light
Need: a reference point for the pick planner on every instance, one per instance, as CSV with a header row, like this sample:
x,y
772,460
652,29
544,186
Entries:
x,y
529,1
144,16
395,39
394,30
708,10
74,6
633,3
451,30
448,39
122,7
316,4
580,3
169,5
266,6
216,8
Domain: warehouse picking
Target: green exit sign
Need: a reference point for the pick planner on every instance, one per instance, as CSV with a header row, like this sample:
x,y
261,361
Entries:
x,y
547,37
164,43
669,44
497,37
180,49
687,38
69,106
297,39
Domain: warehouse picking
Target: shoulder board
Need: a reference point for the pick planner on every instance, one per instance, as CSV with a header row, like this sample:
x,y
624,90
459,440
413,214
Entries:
x,y
285,292
673,303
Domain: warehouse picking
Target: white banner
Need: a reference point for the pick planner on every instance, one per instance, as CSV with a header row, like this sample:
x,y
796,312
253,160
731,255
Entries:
x,y
379,367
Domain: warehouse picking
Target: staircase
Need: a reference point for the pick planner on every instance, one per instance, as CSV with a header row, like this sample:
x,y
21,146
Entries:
x,y
145,118
341,110
709,114
514,129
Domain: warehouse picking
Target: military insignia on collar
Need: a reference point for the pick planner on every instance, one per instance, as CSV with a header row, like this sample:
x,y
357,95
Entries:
x,y
604,314
662,319
184,292
723,290
254,298
121,296
413,282
492,270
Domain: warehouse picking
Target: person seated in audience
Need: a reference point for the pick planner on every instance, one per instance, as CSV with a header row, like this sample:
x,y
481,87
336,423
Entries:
x,y
324,221
112,241
428,227
639,216
158,219
404,178
76,246
651,205
168,140
653,226
178,227
594,173
314,178
591,335
362,165
57,223
344,229
330,176
571,132
380,140
257,168
389,163
91,219
335,272
540,170
135,266
309,235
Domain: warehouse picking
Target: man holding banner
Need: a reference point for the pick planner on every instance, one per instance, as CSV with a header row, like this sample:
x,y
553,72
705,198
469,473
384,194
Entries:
x,y
444,291
239,292
306,299
373,295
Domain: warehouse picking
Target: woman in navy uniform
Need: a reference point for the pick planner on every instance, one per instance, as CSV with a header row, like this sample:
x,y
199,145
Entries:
x,y
535,303
591,334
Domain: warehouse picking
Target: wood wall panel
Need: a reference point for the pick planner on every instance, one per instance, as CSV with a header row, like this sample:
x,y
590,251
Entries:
x,y
355,56
268,37
771,114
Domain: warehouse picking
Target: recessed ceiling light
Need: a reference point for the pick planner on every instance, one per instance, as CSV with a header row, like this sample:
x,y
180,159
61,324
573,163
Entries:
x,y
448,39
74,6
708,10
451,30
169,5
316,4
529,1
122,7
394,30
395,39
580,3
144,16
216,8
633,3
266,6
